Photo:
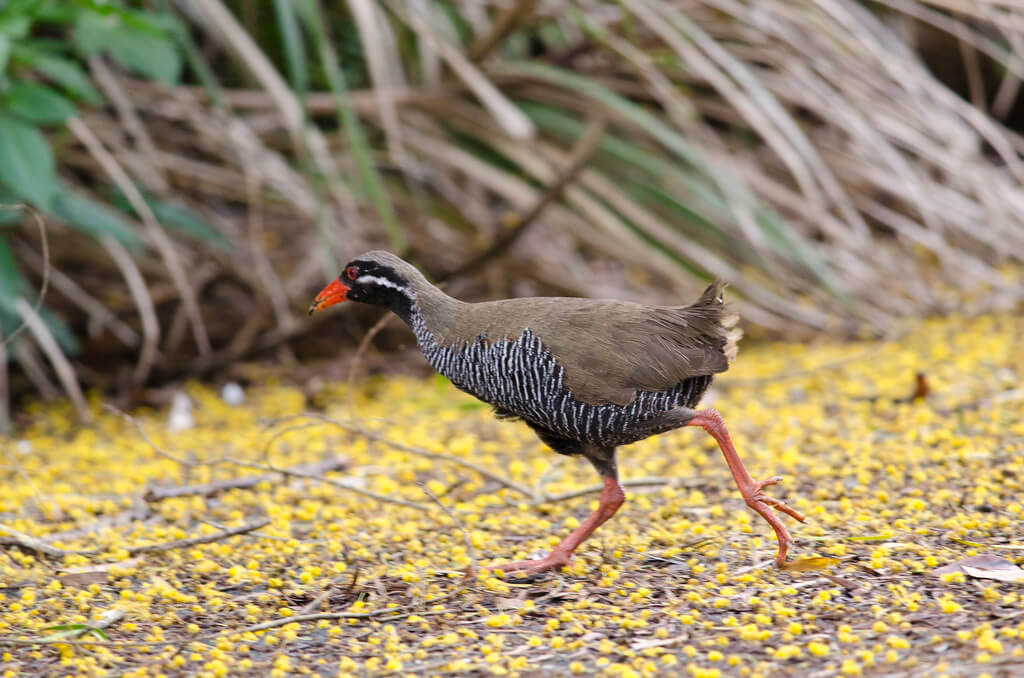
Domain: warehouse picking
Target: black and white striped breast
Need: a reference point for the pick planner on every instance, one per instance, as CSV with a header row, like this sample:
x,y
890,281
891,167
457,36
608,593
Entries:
x,y
521,377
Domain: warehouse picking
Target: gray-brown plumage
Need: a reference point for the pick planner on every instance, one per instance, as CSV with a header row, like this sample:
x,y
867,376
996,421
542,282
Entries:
x,y
587,375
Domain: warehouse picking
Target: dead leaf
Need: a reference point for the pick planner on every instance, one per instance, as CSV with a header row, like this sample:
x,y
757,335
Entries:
x,y
984,566
503,603
1013,573
81,577
854,587
1008,547
809,564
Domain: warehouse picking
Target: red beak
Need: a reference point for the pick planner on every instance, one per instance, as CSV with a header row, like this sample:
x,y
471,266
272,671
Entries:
x,y
335,293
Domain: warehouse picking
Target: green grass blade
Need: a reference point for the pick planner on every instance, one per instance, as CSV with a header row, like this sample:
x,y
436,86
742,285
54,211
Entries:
x,y
733,190
360,147
194,57
294,47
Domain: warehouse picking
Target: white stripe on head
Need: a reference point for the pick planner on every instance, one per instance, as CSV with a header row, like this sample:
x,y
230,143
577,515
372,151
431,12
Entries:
x,y
384,282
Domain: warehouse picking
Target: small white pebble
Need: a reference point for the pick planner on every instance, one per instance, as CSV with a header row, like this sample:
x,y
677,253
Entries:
x,y
232,394
180,417
24,446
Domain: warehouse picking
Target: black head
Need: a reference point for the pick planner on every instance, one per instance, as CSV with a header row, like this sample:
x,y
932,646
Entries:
x,y
378,278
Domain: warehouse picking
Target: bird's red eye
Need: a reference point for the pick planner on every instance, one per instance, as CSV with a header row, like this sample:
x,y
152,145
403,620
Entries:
x,y
351,272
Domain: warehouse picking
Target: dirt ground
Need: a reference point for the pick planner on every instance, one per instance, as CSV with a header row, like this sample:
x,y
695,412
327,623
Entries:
x,y
128,549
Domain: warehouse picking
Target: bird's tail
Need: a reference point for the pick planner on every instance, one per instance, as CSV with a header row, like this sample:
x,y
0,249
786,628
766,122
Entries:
x,y
723,320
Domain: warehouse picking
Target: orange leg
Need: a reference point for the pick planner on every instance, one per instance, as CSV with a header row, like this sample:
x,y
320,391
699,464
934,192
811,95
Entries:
x,y
711,421
612,497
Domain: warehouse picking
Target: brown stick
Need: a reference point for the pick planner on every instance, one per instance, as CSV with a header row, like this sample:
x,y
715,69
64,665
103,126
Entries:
x,y
395,613
353,366
154,494
470,549
159,237
140,512
330,481
578,158
44,243
27,542
30,543
630,482
503,25
418,451
315,603
145,436
195,541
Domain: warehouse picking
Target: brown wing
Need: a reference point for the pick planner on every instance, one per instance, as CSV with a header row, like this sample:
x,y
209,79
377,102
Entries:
x,y
611,349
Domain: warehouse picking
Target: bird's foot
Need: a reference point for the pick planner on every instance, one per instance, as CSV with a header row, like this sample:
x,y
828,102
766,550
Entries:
x,y
755,493
756,499
552,561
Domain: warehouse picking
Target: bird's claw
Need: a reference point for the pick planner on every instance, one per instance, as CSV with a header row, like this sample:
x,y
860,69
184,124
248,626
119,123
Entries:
x,y
756,495
763,504
553,561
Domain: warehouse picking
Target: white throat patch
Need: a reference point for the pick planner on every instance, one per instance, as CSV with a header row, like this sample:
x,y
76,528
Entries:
x,y
384,282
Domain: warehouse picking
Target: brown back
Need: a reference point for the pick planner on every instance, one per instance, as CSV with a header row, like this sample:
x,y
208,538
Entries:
x,y
609,349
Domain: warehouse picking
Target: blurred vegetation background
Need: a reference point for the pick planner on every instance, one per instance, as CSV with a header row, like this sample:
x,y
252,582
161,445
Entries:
x,y
203,167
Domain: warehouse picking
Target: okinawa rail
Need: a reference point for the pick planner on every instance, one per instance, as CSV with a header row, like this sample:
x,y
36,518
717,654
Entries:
x,y
587,375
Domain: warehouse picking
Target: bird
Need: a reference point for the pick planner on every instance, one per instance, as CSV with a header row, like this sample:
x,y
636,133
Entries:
x,y
587,375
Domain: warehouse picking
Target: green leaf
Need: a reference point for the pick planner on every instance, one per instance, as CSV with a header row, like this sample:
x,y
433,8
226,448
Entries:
x,y
14,26
12,284
10,212
64,631
61,332
134,42
38,103
66,627
57,12
178,218
26,162
5,52
20,8
61,71
197,62
186,221
93,218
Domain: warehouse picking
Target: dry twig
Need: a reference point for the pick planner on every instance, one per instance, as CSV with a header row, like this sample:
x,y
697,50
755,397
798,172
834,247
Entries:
x,y
160,238
577,160
32,544
145,436
470,549
650,481
388,614
203,539
329,481
418,451
215,487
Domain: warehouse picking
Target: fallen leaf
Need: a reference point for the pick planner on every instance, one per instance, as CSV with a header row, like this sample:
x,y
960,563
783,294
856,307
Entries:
x,y
854,587
1000,574
808,564
503,603
984,566
1008,547
81,577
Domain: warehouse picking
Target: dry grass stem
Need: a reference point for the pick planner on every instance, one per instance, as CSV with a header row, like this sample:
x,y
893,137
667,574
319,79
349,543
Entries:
x,y
160,493
156,232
